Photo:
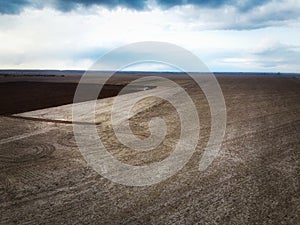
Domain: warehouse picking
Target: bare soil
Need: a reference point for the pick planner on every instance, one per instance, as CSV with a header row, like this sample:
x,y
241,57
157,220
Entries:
x,y
254,179
22,96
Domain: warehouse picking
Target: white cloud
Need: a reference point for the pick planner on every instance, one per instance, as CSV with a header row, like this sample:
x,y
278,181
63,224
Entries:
x,y
47,38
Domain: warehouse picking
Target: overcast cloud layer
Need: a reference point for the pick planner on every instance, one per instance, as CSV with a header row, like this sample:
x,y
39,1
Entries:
x,y
16,6
228,35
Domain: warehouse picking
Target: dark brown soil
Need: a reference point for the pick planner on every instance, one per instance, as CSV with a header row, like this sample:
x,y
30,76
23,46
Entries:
x,y
18,97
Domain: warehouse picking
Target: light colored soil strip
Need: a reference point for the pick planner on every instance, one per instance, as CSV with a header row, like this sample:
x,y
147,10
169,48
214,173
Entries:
x,y
22,136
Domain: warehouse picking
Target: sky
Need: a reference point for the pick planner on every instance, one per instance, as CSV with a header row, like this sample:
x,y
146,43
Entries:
x,y
227,35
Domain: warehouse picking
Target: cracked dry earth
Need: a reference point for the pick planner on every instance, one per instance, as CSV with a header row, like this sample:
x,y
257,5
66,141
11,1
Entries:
x,y
254,180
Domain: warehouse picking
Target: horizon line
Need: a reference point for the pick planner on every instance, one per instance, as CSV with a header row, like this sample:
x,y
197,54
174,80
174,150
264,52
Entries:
x,y
145,71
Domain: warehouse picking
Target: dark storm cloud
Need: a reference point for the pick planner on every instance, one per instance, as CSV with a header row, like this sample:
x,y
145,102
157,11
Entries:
x,y
244,5
67,5
12,6
16,6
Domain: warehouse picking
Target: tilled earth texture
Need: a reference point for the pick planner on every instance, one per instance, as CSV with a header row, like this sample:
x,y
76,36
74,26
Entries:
x,y
254,179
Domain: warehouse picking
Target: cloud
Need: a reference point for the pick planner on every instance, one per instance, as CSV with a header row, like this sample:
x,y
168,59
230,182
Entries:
x,y
229,17
16,6
278,55
244,5
269,55
67,5
274,13
224,37
194,14
13,6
